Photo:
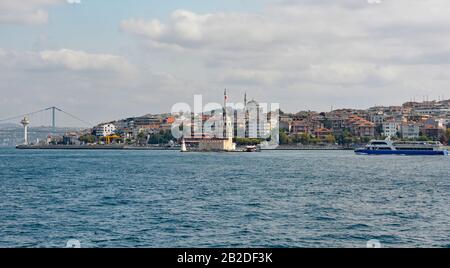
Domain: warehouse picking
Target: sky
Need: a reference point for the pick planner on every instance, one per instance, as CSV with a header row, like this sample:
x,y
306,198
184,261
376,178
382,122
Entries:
x,y
109,59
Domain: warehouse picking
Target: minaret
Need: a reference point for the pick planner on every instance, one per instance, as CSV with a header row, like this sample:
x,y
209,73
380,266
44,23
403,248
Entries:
x,y
245,116
225,119
25,122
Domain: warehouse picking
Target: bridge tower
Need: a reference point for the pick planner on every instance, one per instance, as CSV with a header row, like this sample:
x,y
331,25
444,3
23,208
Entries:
x,y
53,117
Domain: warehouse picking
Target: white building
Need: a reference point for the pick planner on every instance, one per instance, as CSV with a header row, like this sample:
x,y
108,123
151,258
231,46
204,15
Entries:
x,y
410,130
437,111
390,129
253,118
435,123
377,118
259,122
105,130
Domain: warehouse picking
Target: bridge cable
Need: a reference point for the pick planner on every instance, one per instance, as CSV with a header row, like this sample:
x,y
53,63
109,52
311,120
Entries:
x,y
23,115
74,117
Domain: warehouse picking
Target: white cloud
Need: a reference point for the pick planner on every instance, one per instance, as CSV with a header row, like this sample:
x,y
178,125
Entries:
x,y
152,29
305,54
82,61
188,29
74,2
25,11
349,46
96,87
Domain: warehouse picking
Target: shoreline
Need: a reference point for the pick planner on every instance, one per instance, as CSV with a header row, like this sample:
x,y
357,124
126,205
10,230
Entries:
x,y
144,148
89,147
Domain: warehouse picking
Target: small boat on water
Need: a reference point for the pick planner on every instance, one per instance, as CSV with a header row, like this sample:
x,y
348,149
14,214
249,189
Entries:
x,y
251,149
183,146
388,147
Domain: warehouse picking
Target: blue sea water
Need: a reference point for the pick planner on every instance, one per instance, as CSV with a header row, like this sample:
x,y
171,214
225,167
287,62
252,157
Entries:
x,y
267,199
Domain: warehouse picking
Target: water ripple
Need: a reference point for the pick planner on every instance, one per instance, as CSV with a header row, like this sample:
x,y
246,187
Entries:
x,y
268,199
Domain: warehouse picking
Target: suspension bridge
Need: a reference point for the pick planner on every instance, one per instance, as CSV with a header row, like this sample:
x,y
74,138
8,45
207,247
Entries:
x,y
44,112
42,123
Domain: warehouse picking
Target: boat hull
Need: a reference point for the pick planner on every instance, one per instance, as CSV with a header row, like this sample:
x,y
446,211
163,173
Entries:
x,y
401,152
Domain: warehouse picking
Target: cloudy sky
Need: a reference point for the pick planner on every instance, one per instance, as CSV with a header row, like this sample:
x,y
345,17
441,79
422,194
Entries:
x,y
109,59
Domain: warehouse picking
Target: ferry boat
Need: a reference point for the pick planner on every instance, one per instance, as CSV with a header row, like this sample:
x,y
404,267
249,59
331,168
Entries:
x,y
388,147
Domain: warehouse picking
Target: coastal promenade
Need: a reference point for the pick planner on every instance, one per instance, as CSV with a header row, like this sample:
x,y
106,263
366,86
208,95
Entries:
x,y
91,147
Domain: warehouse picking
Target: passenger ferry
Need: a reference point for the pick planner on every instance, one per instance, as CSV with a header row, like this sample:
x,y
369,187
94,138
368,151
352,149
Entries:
x,y
388,147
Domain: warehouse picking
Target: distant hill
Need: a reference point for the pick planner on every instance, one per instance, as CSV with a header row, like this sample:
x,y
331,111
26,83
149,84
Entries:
x,y
9,125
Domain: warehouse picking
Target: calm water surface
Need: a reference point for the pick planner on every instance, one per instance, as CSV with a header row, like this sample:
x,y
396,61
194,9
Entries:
x,y
268,199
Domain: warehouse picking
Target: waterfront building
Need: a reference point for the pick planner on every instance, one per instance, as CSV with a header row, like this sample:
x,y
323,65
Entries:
x,y
430,108
410,130
217,145
104,130
434,128
434,133
364,130
323,133
433,122
436,111
307,125
147,122
71,139
285,123
360,127
386,110
390,128
253,113
378,118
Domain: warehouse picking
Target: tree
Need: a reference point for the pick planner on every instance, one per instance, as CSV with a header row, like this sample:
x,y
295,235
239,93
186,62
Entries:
x,y
304,138
141,138
423,138
447,136
379,130
248,141
87,138
163,137
314,140
330,138
284,138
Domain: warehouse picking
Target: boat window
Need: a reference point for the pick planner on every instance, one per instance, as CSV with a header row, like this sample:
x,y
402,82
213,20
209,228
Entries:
x,y
415,149
379,143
